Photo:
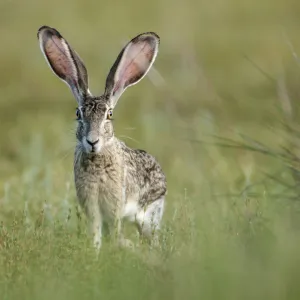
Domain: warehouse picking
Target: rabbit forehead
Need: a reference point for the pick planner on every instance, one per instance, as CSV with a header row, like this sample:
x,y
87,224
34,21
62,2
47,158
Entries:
x,y
97,106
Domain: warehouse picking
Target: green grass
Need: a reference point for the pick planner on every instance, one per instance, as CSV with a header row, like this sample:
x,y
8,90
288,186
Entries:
x,y
222,119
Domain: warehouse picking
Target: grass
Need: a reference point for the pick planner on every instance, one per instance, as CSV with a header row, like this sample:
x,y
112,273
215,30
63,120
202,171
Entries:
x,y
221,115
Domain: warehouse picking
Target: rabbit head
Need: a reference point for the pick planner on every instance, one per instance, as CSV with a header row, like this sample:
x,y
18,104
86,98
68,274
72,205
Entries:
x,y
94,114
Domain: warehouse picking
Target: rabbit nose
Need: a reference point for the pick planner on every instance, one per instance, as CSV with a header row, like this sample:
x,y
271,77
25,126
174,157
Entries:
x,y
92,143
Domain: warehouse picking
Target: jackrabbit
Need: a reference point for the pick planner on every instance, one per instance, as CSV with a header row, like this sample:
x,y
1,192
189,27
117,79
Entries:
x,y
112,181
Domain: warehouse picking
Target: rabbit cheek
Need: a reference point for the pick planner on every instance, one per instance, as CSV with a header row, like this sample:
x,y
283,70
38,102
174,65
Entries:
x,y
108,131
79,133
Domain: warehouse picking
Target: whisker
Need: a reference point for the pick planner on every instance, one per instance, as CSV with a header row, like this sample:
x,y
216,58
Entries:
x,y
130,138
67,153
130,128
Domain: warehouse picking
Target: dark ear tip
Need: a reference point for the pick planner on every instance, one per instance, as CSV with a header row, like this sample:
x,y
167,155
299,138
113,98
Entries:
x,y
149,34
154,34
44,27
48,30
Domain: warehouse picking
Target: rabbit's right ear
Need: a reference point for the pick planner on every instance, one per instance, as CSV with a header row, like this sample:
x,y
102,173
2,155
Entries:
x,y
132,64
64,61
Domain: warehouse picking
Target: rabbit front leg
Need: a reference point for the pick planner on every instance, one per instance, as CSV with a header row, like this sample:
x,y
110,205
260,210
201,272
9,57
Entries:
x,y
122,241
95,221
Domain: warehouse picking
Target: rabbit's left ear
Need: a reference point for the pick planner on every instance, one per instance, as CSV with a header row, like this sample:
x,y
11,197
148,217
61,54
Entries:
x,y
132,65
64,61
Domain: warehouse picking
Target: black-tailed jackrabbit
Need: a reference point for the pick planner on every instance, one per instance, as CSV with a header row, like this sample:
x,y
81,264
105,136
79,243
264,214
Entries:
x,y
112,181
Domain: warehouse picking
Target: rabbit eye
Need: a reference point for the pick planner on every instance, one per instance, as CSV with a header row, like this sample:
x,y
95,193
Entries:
x,y
109,114
78,115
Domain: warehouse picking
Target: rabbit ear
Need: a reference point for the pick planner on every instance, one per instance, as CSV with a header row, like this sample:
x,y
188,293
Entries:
x,y
64,61
132,65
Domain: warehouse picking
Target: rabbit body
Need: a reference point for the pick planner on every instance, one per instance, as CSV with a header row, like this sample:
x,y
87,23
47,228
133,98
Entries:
x,y
112,181
118,179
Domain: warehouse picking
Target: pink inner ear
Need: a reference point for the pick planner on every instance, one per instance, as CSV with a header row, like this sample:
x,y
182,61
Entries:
x,y
59,57
134,63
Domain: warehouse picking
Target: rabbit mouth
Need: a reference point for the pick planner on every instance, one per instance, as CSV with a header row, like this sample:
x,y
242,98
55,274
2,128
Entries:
x,y
92,147
92,150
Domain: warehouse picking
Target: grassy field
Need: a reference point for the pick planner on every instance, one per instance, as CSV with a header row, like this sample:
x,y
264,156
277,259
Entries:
x,y
219,111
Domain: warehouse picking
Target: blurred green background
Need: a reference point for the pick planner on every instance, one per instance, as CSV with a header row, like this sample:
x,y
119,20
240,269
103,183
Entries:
x,y
227,74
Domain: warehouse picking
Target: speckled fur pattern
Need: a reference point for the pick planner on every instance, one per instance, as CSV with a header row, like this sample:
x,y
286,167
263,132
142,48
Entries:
x,y
116,178
117,167
113,181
